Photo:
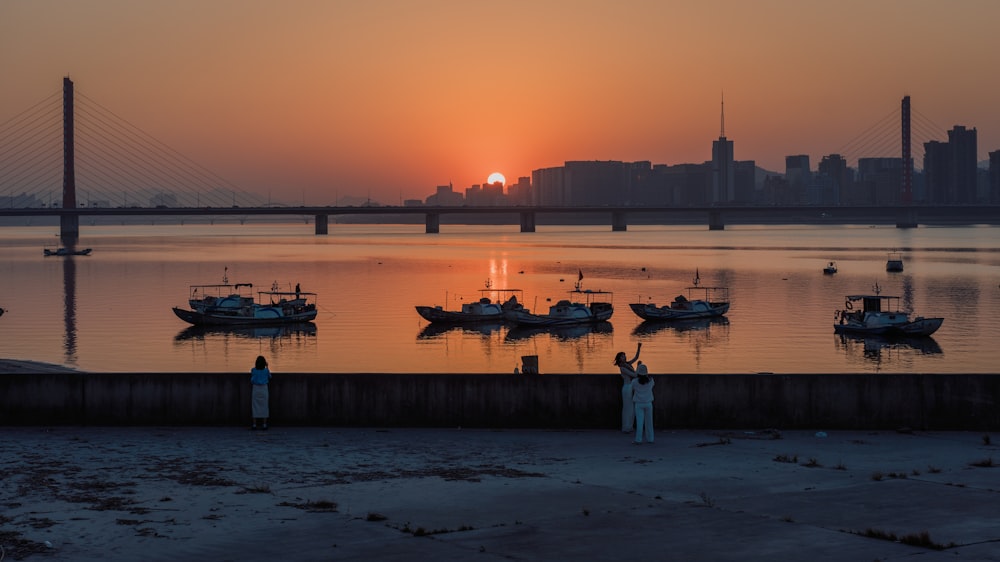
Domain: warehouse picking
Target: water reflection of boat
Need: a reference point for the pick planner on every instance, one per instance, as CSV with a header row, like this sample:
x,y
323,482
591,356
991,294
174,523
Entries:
x,y
251,332
560,332
436,329
874,344
652,327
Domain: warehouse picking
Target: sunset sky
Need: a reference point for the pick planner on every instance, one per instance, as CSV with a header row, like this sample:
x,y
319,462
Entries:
x,y
388,99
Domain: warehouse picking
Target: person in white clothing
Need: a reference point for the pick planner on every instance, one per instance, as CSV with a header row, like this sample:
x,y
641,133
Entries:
x,y
642,397
628,375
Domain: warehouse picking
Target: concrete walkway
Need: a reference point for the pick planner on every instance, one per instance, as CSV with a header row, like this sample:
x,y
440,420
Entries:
x,y
71,493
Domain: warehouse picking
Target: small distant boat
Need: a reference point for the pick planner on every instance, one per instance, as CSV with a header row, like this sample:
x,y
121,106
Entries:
x,y
239,308
67,252
700,302
585,306
894,263
489,307
830,268
2,311
880,315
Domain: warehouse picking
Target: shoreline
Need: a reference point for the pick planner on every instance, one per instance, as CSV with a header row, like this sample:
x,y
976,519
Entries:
x,y
209,493
16,366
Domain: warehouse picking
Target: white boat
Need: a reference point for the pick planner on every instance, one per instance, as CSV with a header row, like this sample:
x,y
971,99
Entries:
x,y
878,314
830,268
489,307
584,306
66,252
239,308
700,302
894,262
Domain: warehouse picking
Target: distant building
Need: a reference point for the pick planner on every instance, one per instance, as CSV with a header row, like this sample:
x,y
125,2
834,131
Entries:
x,y
723,171
22,201
799,177
745,182
445,197
937,170
689,185
520,193
880,180
597,182
964,148
995,177
833,177
158,200
550,186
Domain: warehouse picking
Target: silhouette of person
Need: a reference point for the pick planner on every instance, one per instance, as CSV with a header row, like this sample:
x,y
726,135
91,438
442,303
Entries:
x,y
628,375
260,376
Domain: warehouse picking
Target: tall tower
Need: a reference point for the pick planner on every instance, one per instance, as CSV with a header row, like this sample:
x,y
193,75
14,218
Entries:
x,y
69,226
907,187
723,166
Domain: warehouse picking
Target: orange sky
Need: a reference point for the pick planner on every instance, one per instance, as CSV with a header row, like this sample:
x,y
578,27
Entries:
x,y
388,99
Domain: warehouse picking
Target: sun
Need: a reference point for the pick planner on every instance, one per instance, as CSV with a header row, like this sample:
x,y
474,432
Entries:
x,y
496,177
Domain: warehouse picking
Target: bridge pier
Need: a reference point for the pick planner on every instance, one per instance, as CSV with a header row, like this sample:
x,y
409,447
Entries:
x,y
907,218
321,225
619,221
527,221
432,222
715,221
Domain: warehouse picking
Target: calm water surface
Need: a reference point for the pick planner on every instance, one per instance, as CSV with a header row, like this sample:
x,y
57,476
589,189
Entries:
x,y
111,311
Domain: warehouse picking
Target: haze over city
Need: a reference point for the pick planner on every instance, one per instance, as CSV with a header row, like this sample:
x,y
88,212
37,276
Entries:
x,y
314,100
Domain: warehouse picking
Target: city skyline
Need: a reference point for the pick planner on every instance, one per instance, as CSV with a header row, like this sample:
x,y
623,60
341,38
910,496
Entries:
x,y
330,99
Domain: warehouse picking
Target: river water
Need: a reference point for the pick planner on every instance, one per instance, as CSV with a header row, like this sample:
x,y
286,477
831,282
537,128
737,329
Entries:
x,y
111,311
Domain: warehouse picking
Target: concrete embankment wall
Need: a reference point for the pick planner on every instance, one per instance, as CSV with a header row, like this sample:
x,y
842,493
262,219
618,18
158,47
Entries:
x,y
940,402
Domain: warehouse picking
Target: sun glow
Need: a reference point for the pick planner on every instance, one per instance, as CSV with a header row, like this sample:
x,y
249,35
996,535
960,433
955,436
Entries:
x,y
496,177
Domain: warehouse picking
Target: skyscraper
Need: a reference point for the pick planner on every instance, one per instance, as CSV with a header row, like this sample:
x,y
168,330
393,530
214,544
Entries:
x,y
723,166
964,148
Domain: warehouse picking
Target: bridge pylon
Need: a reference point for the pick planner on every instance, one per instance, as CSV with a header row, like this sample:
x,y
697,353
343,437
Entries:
x,y
69,225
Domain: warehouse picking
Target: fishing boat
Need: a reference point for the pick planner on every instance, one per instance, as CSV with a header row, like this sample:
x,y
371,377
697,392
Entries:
x,y
830,268
700,302
879,314
489,307
894,262
240,308
66,252
585,306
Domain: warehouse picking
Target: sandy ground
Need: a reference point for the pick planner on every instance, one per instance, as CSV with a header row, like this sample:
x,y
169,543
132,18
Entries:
x,y
94,493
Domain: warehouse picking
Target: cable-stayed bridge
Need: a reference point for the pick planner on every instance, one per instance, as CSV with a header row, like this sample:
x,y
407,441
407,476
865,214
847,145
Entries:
x,y
69,156
114,163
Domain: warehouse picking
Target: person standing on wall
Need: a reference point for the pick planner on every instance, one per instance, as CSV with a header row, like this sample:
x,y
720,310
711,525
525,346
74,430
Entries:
x,y
642,396
260,376
628,375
